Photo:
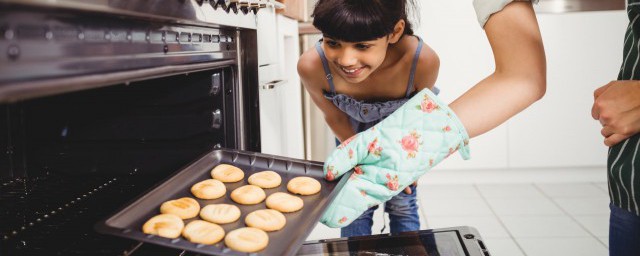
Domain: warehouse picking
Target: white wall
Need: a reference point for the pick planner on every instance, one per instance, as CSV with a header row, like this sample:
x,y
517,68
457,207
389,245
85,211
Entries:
x,y
584,51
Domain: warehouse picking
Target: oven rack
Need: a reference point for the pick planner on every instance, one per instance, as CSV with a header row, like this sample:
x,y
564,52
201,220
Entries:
x,y
65,226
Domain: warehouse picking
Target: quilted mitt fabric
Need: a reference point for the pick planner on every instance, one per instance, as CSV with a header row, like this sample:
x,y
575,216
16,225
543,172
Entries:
x,y
391,155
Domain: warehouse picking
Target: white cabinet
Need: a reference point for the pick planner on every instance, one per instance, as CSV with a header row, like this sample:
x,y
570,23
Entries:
x,y
267,43
280,96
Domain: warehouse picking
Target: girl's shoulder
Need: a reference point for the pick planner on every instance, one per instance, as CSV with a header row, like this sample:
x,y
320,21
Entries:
x,y
308,65
427,66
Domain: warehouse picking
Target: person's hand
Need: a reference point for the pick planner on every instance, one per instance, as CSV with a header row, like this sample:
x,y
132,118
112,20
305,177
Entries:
x,y
617,107
391,155
407,190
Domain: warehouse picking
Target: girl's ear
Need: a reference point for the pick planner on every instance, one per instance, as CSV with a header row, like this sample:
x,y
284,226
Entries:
x,y
398,30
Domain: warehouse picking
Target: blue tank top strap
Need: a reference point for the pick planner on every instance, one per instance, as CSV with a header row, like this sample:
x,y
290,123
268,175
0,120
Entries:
x,y
413,67
325,65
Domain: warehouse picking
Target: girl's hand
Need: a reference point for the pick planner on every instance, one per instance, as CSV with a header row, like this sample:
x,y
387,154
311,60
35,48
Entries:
x,y
407,190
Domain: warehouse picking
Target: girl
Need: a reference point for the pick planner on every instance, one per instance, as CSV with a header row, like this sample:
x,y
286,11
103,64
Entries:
x,y
372,65
369,64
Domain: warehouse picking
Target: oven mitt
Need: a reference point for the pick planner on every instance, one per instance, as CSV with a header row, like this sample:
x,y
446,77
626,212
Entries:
x,y
391,155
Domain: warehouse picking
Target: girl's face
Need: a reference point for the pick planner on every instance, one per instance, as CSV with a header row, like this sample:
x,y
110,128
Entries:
x,y
355,61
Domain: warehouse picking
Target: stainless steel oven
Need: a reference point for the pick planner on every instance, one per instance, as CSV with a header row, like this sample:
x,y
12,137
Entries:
x,y
102,99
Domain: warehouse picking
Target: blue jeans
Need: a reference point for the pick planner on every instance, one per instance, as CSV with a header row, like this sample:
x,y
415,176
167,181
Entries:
x,y
624,232
403,216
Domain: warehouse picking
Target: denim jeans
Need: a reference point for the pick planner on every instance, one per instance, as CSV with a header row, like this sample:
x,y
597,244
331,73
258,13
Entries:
x,y
624,232
403,216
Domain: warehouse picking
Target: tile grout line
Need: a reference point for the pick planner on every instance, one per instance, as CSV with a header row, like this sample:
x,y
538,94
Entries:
x,y
475,185
570,215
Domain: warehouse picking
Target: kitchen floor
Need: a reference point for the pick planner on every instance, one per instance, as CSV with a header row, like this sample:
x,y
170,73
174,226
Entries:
x,y
524,212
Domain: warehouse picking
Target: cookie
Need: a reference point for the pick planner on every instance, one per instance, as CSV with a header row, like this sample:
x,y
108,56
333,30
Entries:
x,y
209,189
284,202
184,208
202,232
265,179
247,240
303,186
164,225
266,219
220,213
227,173
248,194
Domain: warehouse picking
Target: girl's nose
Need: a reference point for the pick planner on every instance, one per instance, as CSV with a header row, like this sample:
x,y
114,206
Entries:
x,y
347,59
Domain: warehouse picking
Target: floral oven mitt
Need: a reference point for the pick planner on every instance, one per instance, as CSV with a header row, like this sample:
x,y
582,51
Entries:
x,y
391,155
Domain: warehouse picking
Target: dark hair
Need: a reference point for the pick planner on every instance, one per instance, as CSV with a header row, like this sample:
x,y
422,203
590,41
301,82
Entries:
x,y
360,20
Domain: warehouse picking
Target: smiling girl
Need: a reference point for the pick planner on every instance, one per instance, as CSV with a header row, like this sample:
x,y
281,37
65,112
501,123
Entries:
x,y
369,64
372,64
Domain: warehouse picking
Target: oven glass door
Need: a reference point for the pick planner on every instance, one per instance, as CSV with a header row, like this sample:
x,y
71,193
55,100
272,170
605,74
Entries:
x,y
426,242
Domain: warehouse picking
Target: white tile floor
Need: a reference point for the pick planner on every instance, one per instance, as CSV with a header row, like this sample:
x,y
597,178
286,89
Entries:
x,y
542,212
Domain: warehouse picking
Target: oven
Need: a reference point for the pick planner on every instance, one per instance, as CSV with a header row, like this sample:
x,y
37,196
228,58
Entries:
x,y
102,99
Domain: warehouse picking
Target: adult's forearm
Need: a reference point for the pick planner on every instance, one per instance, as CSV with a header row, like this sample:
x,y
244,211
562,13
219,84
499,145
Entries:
x,y
494,100
520,75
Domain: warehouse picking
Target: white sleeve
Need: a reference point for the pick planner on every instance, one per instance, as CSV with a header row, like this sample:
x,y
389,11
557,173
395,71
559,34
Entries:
x,y
484,8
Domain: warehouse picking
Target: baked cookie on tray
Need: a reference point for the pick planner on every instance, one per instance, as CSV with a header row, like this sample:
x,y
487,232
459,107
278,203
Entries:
x,y
220,213
164,225
248,194
247,239
266,219
265,179
304,186
284,202
209,189
185,207
227,173
203,232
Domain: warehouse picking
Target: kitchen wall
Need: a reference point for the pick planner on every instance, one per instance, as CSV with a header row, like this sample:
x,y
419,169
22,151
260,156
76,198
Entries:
x,y
583,52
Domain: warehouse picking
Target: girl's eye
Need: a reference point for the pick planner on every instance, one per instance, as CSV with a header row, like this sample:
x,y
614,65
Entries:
x,y
362,46
332,43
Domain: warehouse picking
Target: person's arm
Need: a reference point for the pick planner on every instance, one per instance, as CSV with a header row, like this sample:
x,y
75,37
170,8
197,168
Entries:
x,y
520,75
617,107
337,120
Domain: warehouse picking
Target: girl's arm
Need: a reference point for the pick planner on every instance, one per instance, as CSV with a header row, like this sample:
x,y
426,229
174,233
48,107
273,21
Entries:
x,y
520,75
337,120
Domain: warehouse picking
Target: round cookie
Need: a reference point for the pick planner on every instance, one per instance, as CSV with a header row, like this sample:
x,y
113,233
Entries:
x,y
227,173
303,186
184,208
248,194
284,202
202,232
265,179
266,219
208,189
220,213
247,239
164,225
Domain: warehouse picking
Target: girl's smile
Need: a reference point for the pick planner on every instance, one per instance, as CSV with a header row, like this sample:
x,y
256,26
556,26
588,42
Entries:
x,y
352,72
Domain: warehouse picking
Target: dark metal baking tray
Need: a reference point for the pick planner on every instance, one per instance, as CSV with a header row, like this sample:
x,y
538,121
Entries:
x,y
128,221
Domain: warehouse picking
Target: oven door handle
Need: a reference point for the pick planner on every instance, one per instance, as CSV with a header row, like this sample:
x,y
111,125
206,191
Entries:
x,y
273,84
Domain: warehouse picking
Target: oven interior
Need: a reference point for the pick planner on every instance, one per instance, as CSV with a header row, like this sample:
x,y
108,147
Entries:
x,y
75,158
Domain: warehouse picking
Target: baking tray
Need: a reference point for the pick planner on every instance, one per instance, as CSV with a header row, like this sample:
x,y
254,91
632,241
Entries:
x,y
128,221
